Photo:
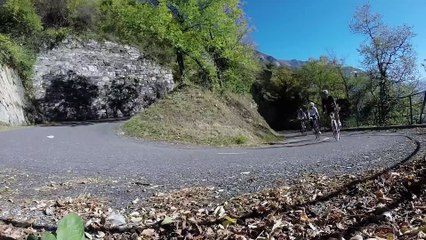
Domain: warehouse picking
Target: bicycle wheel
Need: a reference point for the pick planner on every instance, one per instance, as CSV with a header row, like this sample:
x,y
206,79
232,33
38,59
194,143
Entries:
x,y
316,129
303,128
335,129
337,132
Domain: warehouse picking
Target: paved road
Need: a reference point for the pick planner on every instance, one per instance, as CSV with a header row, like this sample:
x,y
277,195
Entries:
x,y
97,150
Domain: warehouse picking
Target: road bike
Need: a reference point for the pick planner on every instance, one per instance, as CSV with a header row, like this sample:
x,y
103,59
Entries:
x,y
315,127
303,126
335,127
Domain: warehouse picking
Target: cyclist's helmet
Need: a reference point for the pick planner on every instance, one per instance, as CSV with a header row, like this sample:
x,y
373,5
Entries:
x,y
325,92
311,104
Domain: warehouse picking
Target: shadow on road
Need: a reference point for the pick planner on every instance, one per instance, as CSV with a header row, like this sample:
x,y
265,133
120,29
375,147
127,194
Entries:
x,y
82,123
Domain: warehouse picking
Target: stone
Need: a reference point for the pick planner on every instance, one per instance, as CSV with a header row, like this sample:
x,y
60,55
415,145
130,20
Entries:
x,y
115,219
357,237
96,80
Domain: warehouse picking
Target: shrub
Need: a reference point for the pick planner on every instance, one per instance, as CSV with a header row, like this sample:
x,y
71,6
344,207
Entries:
x,y
19,19
16,57
240,139
53,36
83,14
53,13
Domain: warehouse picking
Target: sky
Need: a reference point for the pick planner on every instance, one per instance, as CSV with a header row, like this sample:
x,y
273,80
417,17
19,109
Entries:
x,y
303,29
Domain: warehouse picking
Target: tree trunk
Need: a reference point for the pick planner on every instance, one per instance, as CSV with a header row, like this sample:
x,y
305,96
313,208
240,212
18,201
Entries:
x,y
384,104
181,64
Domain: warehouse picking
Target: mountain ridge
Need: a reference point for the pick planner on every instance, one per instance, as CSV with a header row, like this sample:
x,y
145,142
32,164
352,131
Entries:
x,y
296,64
292,63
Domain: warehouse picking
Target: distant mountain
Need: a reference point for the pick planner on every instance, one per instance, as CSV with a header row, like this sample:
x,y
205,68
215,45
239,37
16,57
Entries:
x,y
295,64
267,59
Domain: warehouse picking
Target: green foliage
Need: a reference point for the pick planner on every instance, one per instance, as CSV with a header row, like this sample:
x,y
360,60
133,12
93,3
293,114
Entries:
x,y
281,91
16,57
305,84
19,19
32,237
321,74
221,34
241,139
79,15
83,14
48,236
71,227
53,14
134,24
204,37
388,56
53,36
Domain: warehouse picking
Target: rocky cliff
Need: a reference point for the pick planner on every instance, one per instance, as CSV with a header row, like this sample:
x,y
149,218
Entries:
x,y
82,80
12,97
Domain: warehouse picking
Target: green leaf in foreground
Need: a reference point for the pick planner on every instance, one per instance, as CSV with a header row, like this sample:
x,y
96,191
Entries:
x,y
167,221
46,236
71,227
228,221
32,237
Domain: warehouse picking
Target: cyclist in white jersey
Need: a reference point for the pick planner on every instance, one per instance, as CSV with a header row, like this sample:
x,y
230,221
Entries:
x,y
313,114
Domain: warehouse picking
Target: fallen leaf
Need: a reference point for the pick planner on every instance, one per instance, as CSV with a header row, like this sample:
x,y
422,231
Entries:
x,y
167,221
149,233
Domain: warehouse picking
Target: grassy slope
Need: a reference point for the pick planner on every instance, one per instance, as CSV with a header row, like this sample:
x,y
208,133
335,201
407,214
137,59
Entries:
x,y
193,115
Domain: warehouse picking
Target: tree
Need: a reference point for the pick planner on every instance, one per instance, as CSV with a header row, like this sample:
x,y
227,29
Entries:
x,y
82,14
53,13
321,74
205,35
388,56
223,28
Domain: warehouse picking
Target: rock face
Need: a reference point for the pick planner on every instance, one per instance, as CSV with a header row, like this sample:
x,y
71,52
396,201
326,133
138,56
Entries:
x,y
12,97
92,80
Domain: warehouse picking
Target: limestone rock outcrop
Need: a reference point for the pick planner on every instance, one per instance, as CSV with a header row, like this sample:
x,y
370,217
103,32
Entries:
x,y
87,80
12,97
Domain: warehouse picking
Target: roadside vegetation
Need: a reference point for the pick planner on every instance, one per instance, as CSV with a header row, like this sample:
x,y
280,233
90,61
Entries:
x,y
4,127
374,95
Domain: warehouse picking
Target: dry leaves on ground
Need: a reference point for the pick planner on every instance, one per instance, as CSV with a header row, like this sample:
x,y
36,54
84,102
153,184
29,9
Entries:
x,y
389,206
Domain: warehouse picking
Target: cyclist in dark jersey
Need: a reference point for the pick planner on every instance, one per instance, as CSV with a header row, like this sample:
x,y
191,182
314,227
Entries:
x,y
329,106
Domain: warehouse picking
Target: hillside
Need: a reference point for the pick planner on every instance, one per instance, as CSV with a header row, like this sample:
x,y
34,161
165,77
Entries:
x,y
194,115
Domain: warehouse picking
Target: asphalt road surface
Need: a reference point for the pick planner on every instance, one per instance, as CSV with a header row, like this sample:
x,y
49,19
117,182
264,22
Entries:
x,y
98,150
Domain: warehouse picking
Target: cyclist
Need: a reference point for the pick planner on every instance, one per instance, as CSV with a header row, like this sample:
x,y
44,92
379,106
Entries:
x,y
301,116
313,115
329,106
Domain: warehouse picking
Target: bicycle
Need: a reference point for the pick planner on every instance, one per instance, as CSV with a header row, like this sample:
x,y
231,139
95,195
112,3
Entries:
x,y
316,128
303,127
335,127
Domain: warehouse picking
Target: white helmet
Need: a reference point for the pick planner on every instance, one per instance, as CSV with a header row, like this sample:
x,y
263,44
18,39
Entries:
x,y
325,92
312,104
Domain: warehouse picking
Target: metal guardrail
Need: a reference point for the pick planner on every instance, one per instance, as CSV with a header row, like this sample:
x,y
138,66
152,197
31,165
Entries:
x,y
381,128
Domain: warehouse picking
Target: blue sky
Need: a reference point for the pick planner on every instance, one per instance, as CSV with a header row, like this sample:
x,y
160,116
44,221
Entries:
x,y
301,29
